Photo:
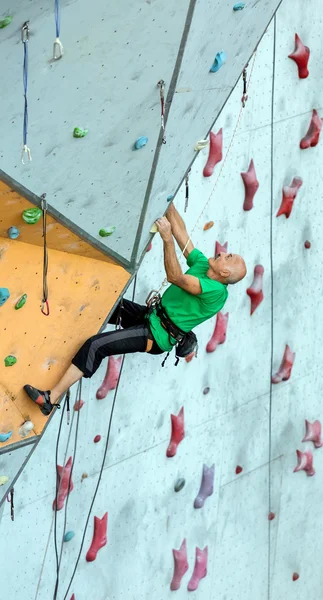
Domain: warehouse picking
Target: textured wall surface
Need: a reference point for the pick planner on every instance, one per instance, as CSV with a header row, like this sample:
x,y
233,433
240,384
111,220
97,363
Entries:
x,y
107,83
243,420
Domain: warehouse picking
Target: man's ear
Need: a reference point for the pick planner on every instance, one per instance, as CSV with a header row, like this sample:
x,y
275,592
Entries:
x,y
225,273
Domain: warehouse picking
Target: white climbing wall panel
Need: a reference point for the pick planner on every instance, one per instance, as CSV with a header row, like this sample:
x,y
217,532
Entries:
x,y
107,83
237,422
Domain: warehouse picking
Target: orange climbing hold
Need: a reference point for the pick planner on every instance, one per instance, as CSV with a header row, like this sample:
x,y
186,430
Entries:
x,y
208,225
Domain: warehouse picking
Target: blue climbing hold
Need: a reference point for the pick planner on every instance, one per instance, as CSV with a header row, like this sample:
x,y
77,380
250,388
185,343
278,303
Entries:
x,y
169,198
141,142
4,295
5,436
239,6
68,536
13,233
219,61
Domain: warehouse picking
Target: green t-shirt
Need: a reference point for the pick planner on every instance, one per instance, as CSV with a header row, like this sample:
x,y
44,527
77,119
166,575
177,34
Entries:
x,y
186,310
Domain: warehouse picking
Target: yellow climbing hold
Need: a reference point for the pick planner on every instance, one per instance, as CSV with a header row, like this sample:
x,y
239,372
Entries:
x,y
153,229
3,479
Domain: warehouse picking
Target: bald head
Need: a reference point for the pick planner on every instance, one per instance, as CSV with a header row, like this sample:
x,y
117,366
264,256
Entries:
x,y
227,268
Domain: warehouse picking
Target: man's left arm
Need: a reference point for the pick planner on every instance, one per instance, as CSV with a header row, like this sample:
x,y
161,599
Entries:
x,y
174,273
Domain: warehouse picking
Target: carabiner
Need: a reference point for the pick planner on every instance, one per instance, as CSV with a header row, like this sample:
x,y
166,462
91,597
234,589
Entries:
x,y
58,49
45,302
25,32
25,151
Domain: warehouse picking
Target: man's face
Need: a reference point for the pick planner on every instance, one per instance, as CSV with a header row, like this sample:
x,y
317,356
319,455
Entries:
x,y
222,261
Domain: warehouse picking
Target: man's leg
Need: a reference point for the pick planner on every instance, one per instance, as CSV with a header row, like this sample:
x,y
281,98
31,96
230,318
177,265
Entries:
x,y
88,359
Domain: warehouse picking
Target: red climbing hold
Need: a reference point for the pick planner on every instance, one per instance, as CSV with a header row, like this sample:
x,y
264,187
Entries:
x,y
73,597
215,152
300,55
251,185
220,332
295,576
289,195
78,405
149,247
177,434
286,365
180,566
63,477
97,439
305,462
99,537
200,569
313,135
208,225
219,248
307,244
255,291
313,433
111,377
238,470
271,516
190,356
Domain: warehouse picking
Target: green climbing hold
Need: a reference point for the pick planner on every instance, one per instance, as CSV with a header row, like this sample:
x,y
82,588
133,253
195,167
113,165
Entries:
x,y
68,536
79,132
10,360
21,302
4,22
31,215
107,231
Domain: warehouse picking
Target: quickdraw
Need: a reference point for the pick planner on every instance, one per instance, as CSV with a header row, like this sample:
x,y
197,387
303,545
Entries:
x,y
43,205
161,85
244,94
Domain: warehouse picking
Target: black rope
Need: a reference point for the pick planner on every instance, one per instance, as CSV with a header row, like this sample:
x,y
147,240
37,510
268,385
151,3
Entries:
x,y
45,259
66,404
102,465
272,304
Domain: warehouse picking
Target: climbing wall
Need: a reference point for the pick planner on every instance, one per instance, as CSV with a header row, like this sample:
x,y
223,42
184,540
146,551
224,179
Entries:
x,y
214,465
38,341
106,85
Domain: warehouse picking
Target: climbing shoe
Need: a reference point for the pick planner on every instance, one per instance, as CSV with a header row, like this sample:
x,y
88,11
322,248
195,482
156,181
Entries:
x,y
41,398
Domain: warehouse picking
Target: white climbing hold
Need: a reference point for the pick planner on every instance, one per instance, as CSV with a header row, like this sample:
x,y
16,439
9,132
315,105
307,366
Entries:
x,y
3,479
26,428
153,229
200,145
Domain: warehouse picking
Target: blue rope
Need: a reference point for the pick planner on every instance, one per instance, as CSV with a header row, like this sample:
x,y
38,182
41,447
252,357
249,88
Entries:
x,y
58,17
25,80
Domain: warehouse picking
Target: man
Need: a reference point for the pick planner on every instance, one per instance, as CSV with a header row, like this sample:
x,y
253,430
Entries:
x,y
192,298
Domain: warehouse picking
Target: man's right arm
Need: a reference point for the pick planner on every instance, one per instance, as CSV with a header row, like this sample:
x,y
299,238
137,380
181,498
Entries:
x,y
179,230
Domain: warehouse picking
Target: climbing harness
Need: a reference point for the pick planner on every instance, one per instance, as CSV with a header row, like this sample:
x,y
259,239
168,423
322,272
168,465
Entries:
x,y
186,190
153,299
244,95
43,205
161,85
25,40
186,342
10,499
58,49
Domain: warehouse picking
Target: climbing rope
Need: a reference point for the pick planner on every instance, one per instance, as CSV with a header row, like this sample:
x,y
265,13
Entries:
x,y
58,49
58,560
25,40
156,293
272,302
43,205
161,85
66,404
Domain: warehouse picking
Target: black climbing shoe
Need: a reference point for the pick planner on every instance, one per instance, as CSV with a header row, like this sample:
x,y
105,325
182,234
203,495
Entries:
x,y
41,398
